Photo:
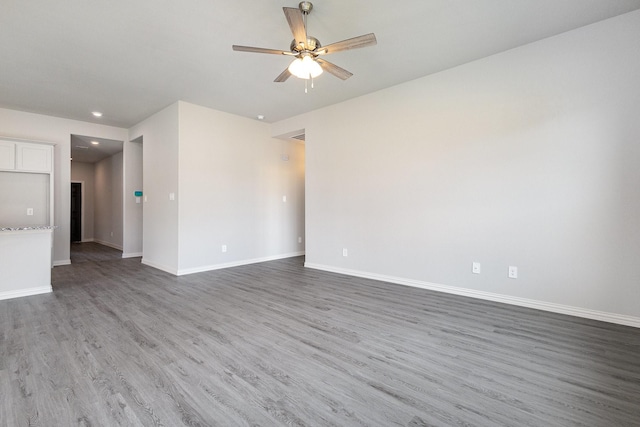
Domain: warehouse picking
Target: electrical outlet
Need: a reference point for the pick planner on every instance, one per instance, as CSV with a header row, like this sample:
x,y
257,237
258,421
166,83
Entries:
x,y
29,211
224,248
299,239
345,252
513,272
476,268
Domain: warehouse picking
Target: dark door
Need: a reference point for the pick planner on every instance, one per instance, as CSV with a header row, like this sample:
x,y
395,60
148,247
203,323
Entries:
x,y
76,212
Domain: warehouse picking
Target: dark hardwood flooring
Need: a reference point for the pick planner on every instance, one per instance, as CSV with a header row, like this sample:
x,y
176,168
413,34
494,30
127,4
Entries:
x,y
119,343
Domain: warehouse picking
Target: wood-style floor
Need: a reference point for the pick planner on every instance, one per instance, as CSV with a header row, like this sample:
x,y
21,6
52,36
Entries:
x,y
119,343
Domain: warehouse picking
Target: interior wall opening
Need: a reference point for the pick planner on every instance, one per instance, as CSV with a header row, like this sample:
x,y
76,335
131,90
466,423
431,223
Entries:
x,y
96,193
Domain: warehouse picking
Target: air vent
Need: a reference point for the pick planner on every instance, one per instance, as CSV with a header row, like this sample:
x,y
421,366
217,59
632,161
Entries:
x,y
299,137
86,148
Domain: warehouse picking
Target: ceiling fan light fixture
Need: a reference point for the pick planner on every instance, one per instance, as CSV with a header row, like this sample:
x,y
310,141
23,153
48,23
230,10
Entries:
x,y
305,68
306,49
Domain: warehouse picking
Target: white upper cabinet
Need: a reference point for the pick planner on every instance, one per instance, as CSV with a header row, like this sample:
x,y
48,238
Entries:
x,y
33,157
25,156
7,155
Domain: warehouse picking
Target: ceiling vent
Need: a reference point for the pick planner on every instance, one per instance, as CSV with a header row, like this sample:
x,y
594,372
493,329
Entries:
x,y
299,137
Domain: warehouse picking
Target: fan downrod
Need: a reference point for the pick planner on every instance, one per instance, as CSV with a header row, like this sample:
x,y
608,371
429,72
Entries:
x,y
305,7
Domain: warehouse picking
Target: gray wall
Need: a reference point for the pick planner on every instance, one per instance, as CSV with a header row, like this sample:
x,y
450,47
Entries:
x,y
108,201
228,179
37,127
527,158
20,191
133,212
234,179
160,176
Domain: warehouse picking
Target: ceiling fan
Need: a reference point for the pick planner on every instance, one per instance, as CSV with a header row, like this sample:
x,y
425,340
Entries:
x,y
307,50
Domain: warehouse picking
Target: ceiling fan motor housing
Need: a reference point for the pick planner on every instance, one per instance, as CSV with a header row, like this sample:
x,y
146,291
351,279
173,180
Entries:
x,y
312,44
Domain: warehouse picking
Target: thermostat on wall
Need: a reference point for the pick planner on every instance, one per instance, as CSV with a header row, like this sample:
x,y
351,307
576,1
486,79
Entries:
x,y
137,193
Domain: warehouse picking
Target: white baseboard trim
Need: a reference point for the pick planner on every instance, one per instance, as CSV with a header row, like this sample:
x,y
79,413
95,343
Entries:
x,y
62,262
88,240
25,292
159,267
131,255
506,299
111,245
202,269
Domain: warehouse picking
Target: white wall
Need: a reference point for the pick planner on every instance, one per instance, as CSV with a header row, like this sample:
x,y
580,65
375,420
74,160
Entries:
x,y
527,158
232,181
20,191
85,173
17,124
108,217
160,177
133,212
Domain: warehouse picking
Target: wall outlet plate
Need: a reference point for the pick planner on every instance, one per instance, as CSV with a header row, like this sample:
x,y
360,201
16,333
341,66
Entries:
x,y
475,269
513,272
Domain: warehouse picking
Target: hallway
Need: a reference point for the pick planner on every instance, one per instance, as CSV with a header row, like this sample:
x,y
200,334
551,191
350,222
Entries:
x,y
95,252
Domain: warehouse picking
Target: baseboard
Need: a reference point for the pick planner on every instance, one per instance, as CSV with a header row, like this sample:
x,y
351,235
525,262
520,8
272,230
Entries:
x,y
88,240
202,269
62,262
25,292
111,245
132,255
506,299
159,267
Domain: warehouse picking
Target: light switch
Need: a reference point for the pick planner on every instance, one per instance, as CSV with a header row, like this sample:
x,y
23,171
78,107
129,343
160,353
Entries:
x,y
284,199
172,196
137,199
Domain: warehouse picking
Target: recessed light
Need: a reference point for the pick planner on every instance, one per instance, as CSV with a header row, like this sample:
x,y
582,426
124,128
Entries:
x,y
260,117
97,113
95,143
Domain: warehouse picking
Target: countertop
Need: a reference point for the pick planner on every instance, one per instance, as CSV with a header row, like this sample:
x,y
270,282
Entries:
x,y
34,228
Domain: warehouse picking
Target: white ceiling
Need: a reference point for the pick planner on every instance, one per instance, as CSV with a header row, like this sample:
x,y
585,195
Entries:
x,y
130,59
83,150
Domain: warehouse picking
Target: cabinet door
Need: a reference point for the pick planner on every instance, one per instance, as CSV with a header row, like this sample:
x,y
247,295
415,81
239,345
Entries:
x,y
33,157
7,155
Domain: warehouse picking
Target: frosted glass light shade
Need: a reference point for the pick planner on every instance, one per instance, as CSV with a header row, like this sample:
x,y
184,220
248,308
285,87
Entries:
x,y
305,68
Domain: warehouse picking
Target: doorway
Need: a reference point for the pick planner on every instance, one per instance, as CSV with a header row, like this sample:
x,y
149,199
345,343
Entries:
x,y
76,212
